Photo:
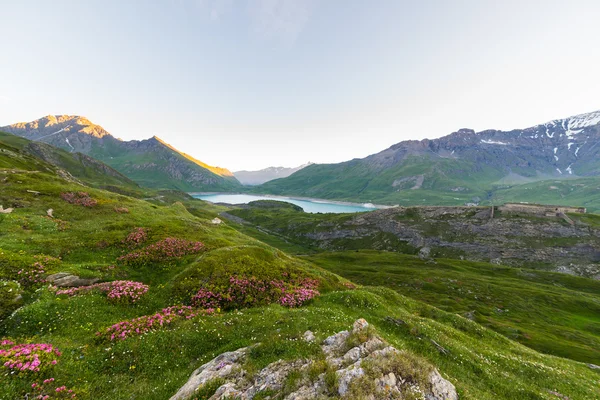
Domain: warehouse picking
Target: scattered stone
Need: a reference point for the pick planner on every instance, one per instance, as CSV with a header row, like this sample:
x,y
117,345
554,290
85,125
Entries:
x,y
308,337
395,321
5,211
424,253
33,191
64,279
216,221
359,325
439,347
594,366
49,213
470,315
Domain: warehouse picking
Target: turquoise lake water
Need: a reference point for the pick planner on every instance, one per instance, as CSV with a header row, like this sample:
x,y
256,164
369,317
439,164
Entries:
x,y
309,206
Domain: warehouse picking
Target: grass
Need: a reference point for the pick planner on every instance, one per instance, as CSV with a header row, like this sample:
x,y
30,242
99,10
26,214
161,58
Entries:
x,y
88,241
553,313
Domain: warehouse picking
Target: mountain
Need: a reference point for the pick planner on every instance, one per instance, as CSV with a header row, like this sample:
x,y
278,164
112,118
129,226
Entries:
x,y
76,167
456,168
252,178
105,289
151,162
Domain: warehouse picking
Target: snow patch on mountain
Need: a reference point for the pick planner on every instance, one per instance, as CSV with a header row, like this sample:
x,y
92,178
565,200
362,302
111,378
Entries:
x,y
494,142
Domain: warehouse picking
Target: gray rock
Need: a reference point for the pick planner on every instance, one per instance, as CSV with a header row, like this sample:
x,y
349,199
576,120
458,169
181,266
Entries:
x,y
308,337
352,356
272,377
221,366
63,279
359,325
424,253
348,368
333,344
346,376
441,389
226,391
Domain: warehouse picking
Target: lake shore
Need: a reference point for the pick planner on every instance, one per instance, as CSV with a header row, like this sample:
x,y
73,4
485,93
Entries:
x,y
312,199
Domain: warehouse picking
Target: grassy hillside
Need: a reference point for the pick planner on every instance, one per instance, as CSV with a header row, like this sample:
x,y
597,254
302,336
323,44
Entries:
x,y
549,312
153,163
22,153
168,249
431,181
581,192
418,180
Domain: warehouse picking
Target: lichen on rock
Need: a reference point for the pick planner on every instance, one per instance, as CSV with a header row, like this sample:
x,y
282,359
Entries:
x,y
355,364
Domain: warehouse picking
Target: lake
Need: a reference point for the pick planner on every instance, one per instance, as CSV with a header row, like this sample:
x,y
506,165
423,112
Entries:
x,y
308,205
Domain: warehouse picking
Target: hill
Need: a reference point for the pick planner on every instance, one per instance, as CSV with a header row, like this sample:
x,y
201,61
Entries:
x,y
152,163
456,168
156,290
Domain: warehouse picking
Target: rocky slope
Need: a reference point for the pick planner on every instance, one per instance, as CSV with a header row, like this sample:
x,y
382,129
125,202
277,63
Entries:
x,y
456,167
252,178
152,162
453,232
355,365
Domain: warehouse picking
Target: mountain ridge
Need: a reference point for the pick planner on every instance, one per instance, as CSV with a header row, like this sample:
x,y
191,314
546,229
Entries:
x,y
150,162
454,168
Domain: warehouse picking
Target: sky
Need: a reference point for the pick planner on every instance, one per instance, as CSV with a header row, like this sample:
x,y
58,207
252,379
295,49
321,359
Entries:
x,y
249,84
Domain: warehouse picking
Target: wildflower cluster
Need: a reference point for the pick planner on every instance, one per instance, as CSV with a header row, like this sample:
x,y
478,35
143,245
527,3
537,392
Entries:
x,y
349,285
121,210
126,291
247,292
35,273
79,198
136,237
164,250
141,325
27,357
49,389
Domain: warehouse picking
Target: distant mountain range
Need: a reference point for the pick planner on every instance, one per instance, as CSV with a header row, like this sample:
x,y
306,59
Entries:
x,y
461,167
252,178
152,163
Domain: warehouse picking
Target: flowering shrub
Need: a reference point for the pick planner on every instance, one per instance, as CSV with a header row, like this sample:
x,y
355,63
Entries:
x,y
126,291
48,389
136,237
246,292
164,250
27,357
35,273
349,285
79,198
138,326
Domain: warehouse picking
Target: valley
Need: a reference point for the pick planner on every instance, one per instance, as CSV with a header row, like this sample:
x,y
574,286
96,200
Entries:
x,y
158,256
299,200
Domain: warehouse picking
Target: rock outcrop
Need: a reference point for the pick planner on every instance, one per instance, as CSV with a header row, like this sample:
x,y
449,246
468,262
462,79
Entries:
x,y
64,279
361,363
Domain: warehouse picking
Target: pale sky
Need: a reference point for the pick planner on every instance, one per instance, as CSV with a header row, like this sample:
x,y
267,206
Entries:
x,y
249,84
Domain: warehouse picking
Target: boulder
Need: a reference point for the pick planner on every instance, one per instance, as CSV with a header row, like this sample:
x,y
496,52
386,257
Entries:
x,y
64,279
221,366
308,337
